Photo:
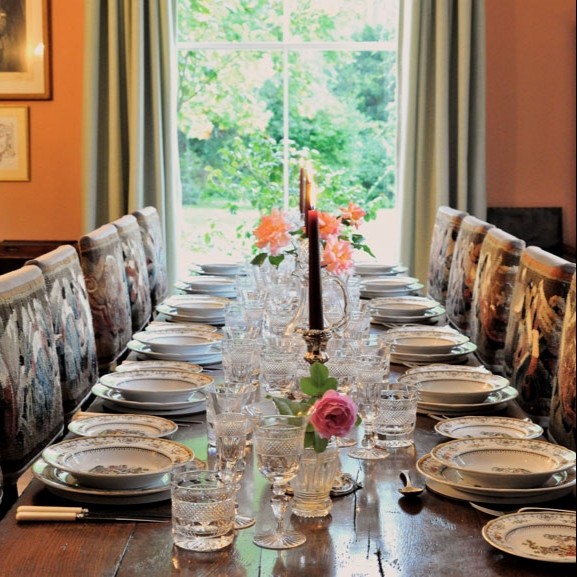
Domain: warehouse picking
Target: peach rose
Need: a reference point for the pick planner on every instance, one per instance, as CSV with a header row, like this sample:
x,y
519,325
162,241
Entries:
x,y
329,225
273,231
353,213
337,255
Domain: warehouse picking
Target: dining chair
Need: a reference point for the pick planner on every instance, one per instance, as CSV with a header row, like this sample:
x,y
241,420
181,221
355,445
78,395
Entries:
x,y
155,251
445,231
136,270
463,272
492,294
31,414
534,329
73,327
562,429
103,269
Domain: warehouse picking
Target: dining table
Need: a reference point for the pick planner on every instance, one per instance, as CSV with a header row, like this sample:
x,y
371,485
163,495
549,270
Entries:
x,y
373,531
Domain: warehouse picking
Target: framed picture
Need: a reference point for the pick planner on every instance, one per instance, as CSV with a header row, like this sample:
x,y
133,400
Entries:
x,y
24,50
14,145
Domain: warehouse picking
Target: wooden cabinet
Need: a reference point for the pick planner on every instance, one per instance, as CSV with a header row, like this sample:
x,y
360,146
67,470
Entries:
x,y
15,253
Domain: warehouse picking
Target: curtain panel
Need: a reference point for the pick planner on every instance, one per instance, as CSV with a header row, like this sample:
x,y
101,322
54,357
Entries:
x,y
130,140
441,127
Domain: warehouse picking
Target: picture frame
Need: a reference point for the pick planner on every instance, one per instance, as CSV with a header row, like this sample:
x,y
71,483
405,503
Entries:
x,y
14,143
25,50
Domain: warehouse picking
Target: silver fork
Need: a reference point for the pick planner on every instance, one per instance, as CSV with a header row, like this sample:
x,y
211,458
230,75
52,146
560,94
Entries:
x,y
497,513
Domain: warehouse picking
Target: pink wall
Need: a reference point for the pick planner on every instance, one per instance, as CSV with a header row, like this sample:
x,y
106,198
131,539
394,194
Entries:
x,y
530,120
531,105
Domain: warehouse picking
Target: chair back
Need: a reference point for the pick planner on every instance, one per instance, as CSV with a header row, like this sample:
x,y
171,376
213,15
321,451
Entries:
x,y
445,231
534,329
155,251
30,394
463,272
492,294
136,270
103,268
562,428
72,321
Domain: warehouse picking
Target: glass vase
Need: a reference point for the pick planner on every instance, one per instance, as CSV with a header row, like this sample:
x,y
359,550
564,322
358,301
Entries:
x,y
312,485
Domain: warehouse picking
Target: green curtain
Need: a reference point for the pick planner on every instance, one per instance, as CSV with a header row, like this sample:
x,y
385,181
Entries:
x,y
130,139
441,130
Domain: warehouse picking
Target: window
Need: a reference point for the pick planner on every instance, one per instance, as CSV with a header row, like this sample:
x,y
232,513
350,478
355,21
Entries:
x,y
264,83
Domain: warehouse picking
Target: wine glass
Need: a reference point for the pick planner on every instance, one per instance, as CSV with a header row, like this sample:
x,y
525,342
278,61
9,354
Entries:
x,y
367,393
231,430
279,445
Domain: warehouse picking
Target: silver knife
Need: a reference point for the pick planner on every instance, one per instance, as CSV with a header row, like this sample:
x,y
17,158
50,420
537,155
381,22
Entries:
x,y
39,513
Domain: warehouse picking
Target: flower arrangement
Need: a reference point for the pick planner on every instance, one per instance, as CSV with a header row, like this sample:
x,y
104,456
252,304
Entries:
x,y
275,233
332,414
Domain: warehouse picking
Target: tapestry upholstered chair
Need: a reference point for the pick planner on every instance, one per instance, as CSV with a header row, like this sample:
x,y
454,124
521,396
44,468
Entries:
x,y
534,329
72,320
31,414
492,294
447,224
155,251
562,427
103,268
463,272
136,270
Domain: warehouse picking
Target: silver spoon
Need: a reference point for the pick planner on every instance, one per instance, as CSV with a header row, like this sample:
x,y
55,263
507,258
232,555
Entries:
x,y
408,490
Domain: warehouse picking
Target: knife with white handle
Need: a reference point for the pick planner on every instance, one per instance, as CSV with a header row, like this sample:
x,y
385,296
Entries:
x,y
39,513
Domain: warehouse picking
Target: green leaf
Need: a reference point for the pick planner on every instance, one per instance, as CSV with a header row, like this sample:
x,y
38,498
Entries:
x,y
287,407
319,381
259,259
319,444
276,260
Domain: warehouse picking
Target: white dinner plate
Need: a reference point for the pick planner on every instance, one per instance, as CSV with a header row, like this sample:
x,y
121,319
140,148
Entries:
x,y
432,469
491,404
371,293
158,366
108,394
180,341
538,535
173,316
197,305
124,424
416,344
222,268
208,285
65,485
193,409
211,358
411,306
429,315
156,386
487,426
456,355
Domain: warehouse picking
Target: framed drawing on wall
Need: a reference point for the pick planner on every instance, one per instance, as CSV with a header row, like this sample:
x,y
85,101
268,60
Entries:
x,y
14,145
24,50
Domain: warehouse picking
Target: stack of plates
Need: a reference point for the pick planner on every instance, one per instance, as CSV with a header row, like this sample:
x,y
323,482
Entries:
x,y
111,469
375,269
406,309
499,470
194,309
208,284
455,391
389,286
426,345
163,393
221,268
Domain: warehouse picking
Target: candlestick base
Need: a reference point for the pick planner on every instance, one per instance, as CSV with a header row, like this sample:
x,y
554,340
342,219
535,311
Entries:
x,y
316,340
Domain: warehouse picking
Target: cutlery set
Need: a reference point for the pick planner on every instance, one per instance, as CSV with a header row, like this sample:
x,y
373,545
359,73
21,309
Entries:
x,y
41,513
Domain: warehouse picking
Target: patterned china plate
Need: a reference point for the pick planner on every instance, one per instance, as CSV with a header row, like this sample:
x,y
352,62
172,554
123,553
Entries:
x,y
199,305
371,293
171,326
156,386
494,402
127,424
539,535
209,285
429,315
484,426
433,470
448,369
373,268
418,344
179,341
402,306
108,394
158,366
457,354
65,485
502,462
217,317
117,462
211,358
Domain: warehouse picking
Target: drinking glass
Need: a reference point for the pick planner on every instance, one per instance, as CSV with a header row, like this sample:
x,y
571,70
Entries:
x,y
278,371
370,381
241,359
279,445
231,430
395,425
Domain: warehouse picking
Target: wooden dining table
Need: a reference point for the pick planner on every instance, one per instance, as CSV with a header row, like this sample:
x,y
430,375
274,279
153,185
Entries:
x,y
373,531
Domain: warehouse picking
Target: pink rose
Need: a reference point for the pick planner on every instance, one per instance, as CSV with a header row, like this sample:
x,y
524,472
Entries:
x,y
338,255
334,415
273,231
353,213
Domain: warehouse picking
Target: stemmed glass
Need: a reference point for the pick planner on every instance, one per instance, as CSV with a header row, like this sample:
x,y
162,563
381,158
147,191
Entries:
x,y
279,445
231,430
370,381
